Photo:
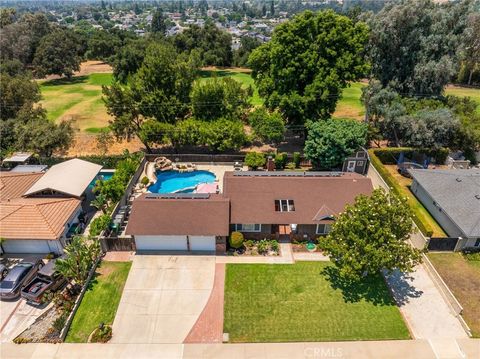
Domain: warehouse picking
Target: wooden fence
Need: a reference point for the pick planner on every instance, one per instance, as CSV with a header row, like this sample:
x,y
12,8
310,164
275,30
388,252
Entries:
x,y
118,244
442,244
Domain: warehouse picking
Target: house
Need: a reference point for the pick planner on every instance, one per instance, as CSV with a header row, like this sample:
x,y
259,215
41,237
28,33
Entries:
x,y
453,198
179,221
297,204
258,204
38,210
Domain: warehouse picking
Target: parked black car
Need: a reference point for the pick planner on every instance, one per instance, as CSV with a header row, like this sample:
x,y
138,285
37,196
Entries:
x,y
15,280
47,279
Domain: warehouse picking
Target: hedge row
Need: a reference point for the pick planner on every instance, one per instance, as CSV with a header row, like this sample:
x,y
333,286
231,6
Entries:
x,y
396,188
390,155
110,161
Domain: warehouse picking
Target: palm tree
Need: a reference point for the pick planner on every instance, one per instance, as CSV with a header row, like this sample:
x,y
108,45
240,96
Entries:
x,y
80,255
100,202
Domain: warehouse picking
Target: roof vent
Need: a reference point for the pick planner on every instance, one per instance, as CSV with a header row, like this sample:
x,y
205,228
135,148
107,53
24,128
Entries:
x,y
477,196
459,179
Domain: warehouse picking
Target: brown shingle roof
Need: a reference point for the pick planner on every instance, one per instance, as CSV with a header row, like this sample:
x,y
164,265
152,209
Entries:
x,y
186,216
36,218
14,185
252,198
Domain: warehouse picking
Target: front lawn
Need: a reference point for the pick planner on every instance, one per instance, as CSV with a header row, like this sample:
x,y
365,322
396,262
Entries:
x,y
463,278
306,301
100,302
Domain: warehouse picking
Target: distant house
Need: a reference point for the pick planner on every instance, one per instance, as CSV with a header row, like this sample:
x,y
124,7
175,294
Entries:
x,y
38,210
453,198
258,204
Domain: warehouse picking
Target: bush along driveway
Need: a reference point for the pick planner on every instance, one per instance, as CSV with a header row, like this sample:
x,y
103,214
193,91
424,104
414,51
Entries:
x,y
307,301
100,302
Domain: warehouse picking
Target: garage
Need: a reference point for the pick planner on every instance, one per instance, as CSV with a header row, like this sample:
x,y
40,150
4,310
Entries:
x,y
161,243
31,246
202,243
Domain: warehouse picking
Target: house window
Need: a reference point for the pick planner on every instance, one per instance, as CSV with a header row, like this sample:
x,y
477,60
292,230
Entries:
x,y
248,227
284,205
323,228
477,242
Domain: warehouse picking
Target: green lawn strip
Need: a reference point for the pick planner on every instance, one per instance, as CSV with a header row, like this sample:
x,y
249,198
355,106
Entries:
x,y
465,92
422,218
100,79
306,302
462,276
349,104
100,302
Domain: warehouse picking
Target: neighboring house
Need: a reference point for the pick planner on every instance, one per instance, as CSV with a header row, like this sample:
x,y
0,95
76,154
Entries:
x,y
38,210
258,204
453,198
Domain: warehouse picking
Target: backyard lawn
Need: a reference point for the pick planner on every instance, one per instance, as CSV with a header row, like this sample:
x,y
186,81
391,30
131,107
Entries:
x,y
463,278
349,105
100,302
78,99
306,302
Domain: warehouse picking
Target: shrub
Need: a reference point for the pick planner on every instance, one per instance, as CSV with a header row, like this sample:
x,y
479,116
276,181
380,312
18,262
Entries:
x,y
248,243
255,160
99,224
274,245
22,340
389,156
290,166
263,246
280,161
296,159
236,240
268,127
102,334
145,181
59,323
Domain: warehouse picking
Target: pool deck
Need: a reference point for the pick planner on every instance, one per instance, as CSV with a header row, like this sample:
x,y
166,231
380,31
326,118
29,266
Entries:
x,y
218,171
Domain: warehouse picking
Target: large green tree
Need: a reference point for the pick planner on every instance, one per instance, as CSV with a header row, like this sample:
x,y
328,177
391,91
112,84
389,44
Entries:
x,y
372,235
213,99
159,90
414,44
214,45
158,24
308,62
329,142
57,54
267,126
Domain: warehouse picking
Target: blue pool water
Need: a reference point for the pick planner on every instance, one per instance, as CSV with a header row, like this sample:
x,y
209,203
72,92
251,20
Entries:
x,y
172,181
101,175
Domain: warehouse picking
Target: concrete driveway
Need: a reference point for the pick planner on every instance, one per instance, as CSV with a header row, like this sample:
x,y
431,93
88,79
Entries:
x,y
163,298
16,316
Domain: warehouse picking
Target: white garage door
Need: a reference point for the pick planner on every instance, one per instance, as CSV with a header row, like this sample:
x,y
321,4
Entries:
x,y
161,243
29,246
202,243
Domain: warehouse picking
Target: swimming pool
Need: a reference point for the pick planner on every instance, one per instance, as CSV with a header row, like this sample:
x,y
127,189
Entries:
x,y
102,175
176,182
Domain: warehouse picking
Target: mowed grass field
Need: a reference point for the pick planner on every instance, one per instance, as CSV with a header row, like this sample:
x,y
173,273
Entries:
x,y
304,302
78,99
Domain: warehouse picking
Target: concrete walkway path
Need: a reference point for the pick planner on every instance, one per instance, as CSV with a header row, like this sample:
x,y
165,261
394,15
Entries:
x,y
163,298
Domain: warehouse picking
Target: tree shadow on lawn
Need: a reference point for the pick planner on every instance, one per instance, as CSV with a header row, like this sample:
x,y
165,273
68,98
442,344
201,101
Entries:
x,y
372,289
213,73
66,81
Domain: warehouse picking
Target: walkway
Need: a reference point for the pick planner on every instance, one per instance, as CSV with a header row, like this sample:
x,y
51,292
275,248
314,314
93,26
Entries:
x,y
401,349
163,298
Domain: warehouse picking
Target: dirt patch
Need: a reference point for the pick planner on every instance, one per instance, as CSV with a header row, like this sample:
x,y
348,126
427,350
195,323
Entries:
x,y
87,68
86,144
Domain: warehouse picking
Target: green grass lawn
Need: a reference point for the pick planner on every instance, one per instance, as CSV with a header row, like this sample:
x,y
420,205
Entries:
x,y
242,76
350,106
100,302
463,278
465,92
306,301
78,99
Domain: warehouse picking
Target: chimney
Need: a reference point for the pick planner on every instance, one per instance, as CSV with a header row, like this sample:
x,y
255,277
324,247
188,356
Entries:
x,y
270,164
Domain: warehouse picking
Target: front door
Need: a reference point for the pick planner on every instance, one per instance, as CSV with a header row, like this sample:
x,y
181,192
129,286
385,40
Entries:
x,y
351,166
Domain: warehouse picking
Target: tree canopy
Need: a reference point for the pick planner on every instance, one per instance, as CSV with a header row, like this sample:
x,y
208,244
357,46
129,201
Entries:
x,y
267,127
372,235
329,142
308,62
